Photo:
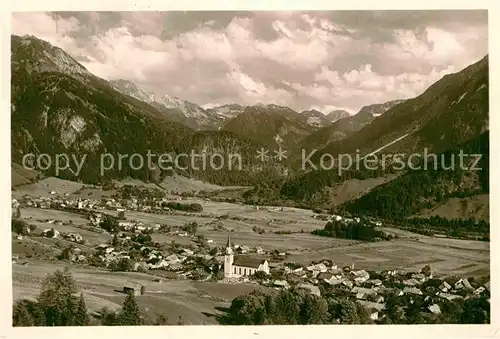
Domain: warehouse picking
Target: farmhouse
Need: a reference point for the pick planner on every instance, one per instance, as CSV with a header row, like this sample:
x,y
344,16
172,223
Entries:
x,y
242,265
132,287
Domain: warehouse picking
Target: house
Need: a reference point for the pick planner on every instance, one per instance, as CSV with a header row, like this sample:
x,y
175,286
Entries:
x,y
419,277
372,307
324,276
444,287
434,309
336,217
132,287
479,290
15,204
412,290
50,233
317,267
333,281
463,283
360,276
281,283
235,267
348,283
243,249
313,289
187,251
449,296
411,282
363,293
375,282
75,237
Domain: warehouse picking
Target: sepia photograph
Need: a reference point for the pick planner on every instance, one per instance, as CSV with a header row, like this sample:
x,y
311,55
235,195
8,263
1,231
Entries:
x,y
315,167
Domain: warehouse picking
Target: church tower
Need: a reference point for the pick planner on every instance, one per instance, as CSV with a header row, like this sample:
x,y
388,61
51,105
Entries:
x,y
228,260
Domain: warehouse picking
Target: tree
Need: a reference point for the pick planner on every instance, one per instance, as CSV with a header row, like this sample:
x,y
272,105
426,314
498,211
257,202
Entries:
x,y
130,314
314,310
26,313
115,241
57,299
19,226
260,275
348,312
426,270
66,253
121,265
81,316
160,320
476,311
108,317
17,215
110,224
121,215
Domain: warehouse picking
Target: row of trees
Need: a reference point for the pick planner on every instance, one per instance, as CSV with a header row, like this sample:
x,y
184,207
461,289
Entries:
x,y
191,207
129,191
451,227
352,230
59,304
21,227
297,306
292,307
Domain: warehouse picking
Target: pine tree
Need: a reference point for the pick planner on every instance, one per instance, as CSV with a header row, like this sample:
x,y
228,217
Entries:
x,y
56,299
81,316
130,311
21,315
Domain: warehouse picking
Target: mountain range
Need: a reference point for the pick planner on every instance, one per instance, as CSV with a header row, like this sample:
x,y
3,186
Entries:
x,y
453,111
59,107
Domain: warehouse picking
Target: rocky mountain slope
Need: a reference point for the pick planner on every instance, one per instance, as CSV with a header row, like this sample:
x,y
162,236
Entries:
x,y
337,115
272,125
451,112
423,188
345,127
59,108
181,111
315,118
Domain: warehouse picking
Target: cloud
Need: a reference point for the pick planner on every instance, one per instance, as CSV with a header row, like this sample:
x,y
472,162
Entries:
x,y
321,60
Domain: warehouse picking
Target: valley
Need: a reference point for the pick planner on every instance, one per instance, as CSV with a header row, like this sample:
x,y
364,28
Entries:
x,y
233,226
198,302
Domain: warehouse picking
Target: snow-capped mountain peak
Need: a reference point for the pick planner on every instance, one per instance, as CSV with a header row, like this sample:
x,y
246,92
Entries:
x,y
41,56
131,89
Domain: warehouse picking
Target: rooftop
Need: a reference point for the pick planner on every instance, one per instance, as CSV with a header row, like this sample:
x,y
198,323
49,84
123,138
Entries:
x,y
248,261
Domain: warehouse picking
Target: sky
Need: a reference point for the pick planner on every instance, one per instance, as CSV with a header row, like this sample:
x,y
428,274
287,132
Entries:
x,y
305,60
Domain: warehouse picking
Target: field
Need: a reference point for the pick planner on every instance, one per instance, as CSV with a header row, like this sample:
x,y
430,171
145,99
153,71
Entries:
x,y
195,302
476,207
410,252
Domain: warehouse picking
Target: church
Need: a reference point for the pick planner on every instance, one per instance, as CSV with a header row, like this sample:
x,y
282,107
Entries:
x,y
242,265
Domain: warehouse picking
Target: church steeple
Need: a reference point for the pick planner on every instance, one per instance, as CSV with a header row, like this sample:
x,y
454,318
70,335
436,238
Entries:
x,y
229,249
228,259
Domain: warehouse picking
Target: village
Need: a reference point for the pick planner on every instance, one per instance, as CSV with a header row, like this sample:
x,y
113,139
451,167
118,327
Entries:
x,y
131,248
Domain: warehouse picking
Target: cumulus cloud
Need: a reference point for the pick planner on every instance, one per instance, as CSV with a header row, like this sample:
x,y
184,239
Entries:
x,y
320,60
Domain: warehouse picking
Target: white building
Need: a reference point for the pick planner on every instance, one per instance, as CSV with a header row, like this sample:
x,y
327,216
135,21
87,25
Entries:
x,y
242,265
